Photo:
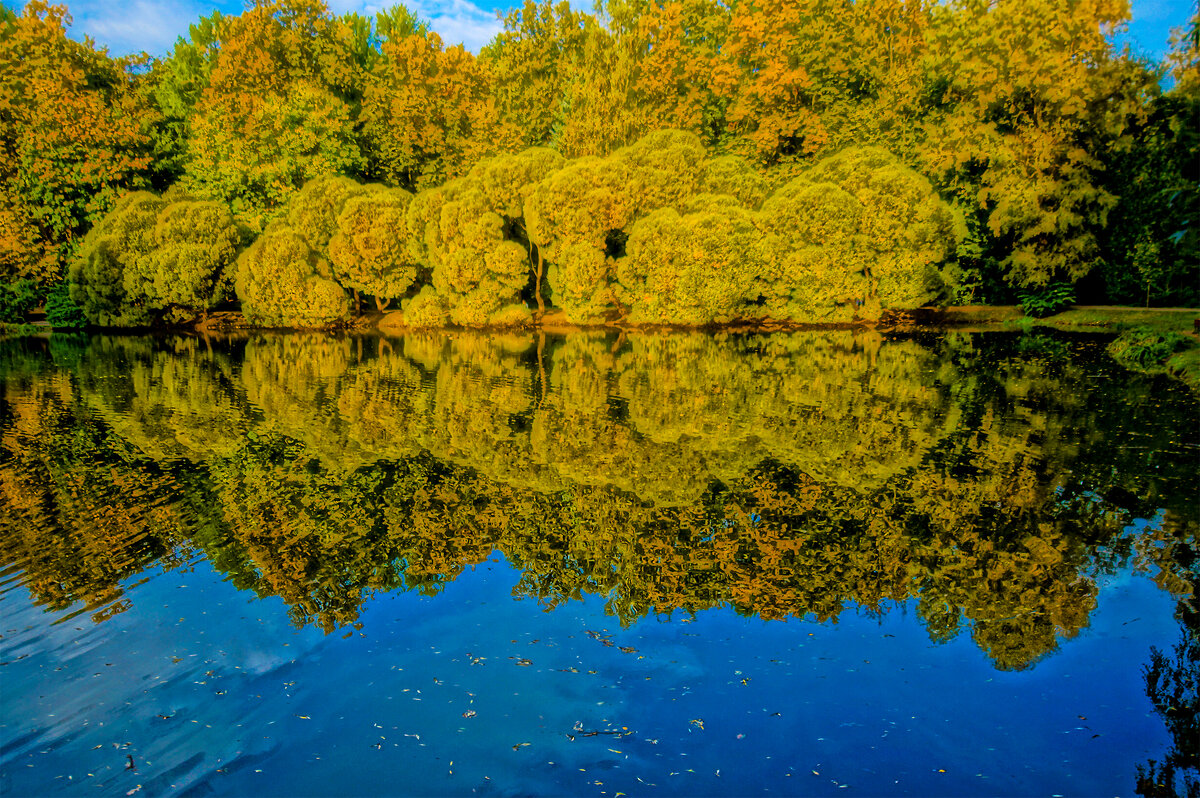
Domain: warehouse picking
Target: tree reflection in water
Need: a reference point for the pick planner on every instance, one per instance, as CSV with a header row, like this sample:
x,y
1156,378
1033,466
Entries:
x,y
781,476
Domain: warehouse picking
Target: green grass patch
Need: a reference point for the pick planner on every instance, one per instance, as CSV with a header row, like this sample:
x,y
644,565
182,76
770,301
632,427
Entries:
x,y
1185,366
1152,351
1117,319
1148,339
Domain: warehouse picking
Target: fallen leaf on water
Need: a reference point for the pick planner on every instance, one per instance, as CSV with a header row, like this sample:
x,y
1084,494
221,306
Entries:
x,y
697,722
304,717
470,713
519,746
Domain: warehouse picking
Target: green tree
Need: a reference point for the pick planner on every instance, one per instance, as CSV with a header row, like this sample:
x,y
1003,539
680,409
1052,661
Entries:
x,y
1022,101
369,252
1151,246
282,282
70,140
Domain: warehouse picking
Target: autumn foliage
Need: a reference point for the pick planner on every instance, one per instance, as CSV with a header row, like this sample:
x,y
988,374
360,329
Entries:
x,y
1022,150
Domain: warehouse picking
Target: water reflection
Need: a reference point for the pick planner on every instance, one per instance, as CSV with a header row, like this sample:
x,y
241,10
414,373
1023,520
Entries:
x,y
782,476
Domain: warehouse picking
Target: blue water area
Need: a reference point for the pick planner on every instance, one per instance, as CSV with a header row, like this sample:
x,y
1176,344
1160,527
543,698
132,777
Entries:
x,y
598,564
471,691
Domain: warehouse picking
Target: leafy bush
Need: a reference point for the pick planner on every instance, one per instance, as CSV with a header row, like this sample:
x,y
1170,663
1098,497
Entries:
x,y
155,259
1146,349
16,300
282,282
426,309
1046,300
61,310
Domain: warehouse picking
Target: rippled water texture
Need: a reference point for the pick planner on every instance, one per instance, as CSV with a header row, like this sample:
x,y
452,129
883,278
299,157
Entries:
x,y
598,564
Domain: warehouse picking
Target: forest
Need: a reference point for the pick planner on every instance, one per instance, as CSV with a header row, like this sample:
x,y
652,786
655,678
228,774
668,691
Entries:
x,y
682,162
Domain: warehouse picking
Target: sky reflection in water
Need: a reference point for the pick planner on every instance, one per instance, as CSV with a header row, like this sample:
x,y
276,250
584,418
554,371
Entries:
x,y
808,563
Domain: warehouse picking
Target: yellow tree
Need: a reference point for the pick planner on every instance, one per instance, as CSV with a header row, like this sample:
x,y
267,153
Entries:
x,y
277,109
532,63
776,101
600,109
682,80
70,142
427,112
1022,101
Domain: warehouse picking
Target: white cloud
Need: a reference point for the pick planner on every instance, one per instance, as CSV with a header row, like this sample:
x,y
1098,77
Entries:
x,y
134,25
456,21
461,21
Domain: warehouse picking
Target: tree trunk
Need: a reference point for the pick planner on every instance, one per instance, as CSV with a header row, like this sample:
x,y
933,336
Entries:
x,y
541,347
357,302
537,289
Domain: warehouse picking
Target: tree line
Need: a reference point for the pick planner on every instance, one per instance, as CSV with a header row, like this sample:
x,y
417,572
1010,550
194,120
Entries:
x,y
1056,163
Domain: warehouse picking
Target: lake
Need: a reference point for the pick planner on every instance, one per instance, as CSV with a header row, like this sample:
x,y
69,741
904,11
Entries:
x,y
810,563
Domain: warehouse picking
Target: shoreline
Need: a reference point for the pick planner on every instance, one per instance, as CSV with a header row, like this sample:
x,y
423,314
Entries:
x,y
1178,326
1081,318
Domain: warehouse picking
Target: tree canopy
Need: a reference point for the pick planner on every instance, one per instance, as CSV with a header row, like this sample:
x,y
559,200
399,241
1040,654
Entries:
x,y
1063,159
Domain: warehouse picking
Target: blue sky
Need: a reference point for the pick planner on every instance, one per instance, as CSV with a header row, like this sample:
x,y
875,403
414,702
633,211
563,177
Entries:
x,y
126,26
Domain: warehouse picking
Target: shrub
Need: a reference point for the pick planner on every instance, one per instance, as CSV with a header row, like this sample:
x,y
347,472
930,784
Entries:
x,y
61,311
282,282
16,300
1146,349
189,270
426,309
112,247
155,258
692,269
369,250
313,212
1041,301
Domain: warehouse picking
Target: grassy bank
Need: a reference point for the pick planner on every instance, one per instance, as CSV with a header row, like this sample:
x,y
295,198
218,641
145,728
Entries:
x,y
1150,340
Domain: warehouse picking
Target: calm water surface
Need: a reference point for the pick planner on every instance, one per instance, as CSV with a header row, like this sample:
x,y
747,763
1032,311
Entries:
x,y
802,564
